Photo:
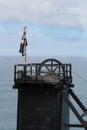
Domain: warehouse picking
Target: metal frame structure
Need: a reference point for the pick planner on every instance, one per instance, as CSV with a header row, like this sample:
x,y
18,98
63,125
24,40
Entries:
x,y
36,71
51,68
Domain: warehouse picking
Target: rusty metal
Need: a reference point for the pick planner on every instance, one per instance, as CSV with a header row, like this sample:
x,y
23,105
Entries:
x,y
75,111
44,91
78,100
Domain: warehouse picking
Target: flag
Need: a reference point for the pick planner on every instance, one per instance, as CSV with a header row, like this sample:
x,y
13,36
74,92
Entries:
x,y
21,49
23,44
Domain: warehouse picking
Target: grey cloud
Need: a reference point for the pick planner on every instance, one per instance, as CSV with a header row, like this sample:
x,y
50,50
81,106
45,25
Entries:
x,y
69,13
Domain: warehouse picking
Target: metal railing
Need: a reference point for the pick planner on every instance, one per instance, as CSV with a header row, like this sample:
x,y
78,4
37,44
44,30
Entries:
x,y
22,71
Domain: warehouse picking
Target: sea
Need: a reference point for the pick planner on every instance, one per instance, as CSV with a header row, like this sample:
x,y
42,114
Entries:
x,y
8,95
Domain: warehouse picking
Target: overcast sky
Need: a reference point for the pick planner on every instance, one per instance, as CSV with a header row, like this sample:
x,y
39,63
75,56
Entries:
x,y
54,27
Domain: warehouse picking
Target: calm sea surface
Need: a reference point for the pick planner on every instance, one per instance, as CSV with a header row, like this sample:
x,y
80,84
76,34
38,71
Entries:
x,y
8,96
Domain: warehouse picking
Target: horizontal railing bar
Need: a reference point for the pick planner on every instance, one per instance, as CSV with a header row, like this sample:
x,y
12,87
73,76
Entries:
x,y
76,125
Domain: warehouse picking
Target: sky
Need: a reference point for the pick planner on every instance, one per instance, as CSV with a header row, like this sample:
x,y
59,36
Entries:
x,y
54,27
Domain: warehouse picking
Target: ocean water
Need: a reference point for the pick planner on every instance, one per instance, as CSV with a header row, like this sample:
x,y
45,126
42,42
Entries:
x,y
8,95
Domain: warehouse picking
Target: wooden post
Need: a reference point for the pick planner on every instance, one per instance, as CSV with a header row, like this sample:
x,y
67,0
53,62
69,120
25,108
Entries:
x,y
25,44
25,55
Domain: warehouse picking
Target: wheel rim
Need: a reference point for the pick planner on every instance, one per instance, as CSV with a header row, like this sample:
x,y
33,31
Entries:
x,y
50,66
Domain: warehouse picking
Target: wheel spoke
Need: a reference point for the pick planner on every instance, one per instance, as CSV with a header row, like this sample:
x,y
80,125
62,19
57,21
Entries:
x,y
47,68
51,65
55,69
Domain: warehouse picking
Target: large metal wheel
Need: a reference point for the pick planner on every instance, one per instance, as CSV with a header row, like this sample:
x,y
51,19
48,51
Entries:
x,y
50,66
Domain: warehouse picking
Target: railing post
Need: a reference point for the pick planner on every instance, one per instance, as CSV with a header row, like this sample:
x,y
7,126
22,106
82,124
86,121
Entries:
x,y
36,72
70,70
25,72
30,69
14,72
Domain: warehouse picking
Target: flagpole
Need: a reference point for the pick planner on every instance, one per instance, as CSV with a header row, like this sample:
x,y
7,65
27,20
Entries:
x,y
23,45
25,40
25,55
